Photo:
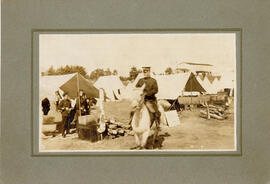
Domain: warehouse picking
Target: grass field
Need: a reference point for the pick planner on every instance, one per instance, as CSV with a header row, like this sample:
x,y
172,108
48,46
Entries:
x,y
194,133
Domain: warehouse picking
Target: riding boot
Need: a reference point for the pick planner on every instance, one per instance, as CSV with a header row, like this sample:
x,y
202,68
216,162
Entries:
x,y
131,116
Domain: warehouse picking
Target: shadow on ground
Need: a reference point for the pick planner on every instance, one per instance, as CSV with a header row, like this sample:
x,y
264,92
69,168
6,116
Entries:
x,y
158,141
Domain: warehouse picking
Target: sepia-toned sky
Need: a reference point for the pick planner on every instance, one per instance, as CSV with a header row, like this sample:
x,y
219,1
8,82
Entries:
x,y
122,51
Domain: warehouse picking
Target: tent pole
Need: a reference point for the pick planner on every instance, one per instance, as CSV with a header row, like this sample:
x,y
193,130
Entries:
x,y
78,94
191,86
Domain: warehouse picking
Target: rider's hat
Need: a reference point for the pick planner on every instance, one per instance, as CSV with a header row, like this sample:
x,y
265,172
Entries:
x,y
146,68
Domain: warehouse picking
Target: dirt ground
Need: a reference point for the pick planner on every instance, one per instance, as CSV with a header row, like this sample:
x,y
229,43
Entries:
x,y
193,133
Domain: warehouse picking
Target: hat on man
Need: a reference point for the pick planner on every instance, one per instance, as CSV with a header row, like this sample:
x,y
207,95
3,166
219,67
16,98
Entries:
x,y
146,68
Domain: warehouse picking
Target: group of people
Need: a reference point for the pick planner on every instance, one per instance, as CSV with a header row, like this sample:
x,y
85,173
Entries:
x,y
69,113
83,104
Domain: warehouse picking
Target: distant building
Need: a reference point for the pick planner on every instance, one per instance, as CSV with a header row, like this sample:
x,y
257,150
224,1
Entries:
x,y
197,68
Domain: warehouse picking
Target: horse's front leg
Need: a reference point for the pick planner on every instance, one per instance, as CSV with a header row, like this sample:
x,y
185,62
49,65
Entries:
x,y
155,136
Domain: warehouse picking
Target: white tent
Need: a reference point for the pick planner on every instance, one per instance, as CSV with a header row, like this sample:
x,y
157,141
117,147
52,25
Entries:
x,y
227,80
49,84
216,85
172,86
203,84
112,86
209,88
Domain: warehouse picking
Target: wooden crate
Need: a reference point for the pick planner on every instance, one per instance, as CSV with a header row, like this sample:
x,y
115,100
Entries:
x,y
89,132
186,100
88,119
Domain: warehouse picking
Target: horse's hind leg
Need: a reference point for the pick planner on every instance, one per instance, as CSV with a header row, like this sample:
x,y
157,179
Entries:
x,y
137,140
145,136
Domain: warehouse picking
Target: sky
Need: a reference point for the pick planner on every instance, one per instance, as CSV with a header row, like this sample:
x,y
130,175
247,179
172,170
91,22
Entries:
x,y
122,51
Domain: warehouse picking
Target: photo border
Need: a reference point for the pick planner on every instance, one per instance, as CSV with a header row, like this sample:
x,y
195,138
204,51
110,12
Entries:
x,y
163,153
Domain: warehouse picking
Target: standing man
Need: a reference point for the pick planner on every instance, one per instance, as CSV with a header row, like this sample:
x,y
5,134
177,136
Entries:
x,y
65,107
149,92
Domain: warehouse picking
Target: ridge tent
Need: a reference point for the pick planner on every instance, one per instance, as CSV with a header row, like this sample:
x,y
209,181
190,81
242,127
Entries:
x,y
209,88
216,85
227,83
78,82
192,85
172,86
227,80
112,86
49,84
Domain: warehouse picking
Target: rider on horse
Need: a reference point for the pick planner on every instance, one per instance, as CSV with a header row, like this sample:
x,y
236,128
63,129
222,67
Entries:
x,y
149,98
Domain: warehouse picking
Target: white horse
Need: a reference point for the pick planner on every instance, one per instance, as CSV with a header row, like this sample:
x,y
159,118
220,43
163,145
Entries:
x,y
141,121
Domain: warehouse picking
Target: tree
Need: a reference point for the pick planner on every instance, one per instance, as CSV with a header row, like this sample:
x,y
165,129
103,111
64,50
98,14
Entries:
x,y
94,75
67,70
115,72
51,71
60,71
108,72
168,71
79,69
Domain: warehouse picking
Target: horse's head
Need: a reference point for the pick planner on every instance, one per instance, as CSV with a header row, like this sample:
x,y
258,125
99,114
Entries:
x,y
137,96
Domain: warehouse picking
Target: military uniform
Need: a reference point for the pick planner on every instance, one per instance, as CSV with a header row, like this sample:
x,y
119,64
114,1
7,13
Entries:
x,y
150,89
65,106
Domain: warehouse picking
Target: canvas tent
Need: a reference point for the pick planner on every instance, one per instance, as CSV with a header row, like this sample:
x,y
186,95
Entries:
x,y
209,88
112,86
227,83
227,80
172,86
216,85
192,85
49,84
78,82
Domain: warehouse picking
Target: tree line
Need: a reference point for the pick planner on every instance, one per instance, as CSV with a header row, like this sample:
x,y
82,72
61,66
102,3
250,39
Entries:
x,y
95,74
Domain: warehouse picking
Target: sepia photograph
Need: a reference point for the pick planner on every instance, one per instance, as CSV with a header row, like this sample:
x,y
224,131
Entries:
x,y
105,92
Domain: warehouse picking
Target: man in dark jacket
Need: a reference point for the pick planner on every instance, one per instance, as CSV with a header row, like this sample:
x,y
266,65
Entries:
x,y
65,107
149,92
45,106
